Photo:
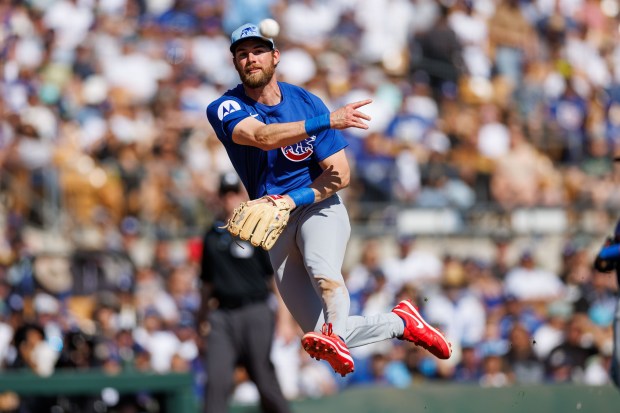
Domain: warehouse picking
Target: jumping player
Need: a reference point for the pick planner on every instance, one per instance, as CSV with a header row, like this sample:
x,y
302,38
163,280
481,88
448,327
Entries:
x,y
282,140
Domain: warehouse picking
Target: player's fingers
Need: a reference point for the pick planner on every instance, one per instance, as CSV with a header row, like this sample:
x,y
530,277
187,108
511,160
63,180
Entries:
x,y
360,125
352,124
362,115
360,103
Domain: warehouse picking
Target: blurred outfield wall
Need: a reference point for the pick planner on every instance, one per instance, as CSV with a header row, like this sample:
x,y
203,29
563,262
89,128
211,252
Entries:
x,y
422,398
451,398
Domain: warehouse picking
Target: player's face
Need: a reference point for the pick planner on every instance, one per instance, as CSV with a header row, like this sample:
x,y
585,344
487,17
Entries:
x,y
256,63
231,200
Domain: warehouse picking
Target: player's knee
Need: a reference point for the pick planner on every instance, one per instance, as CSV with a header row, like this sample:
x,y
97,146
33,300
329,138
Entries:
x,y
330,286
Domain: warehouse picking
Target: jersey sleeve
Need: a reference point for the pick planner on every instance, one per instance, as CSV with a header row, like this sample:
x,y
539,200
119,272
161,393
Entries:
x,y
328,143
224,114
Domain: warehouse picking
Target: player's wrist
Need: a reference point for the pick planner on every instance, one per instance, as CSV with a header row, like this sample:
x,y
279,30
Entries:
x,y
290,201
317,124
302,196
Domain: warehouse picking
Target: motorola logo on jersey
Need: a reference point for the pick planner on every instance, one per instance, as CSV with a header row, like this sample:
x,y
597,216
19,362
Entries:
x,y
299,151
226,107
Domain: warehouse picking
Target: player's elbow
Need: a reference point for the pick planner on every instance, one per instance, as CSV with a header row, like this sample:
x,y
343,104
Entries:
x,y
344,178
255,140
266,145
250,134
264,140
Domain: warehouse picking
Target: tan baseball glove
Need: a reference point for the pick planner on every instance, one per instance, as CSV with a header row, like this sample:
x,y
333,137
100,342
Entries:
x,y
260,222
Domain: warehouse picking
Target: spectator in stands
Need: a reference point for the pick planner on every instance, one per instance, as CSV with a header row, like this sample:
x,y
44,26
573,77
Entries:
x,y
567,362
455,308
598,299
500,263
361,276
517,312
438,52
524,176
34,354
382,369
486,285
528,281
525,366
378,153
469,369
552,332
512,40
570,129
160,342
413,264
472,30
495,372
6,336
316,379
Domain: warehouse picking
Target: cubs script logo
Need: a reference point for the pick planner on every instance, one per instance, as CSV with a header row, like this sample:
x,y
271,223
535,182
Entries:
x,y
226,107
299,151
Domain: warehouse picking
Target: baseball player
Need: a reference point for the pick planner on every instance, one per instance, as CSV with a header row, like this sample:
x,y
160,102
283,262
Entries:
x,y
282,140
608,260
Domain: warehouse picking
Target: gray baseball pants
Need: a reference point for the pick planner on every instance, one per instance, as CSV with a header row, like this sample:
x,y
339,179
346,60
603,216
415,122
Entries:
x,y
307,259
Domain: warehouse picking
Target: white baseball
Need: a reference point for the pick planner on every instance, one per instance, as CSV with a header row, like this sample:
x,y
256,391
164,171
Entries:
x,y
269,28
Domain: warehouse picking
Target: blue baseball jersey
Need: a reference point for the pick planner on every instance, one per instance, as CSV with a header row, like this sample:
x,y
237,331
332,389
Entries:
x,y
277,171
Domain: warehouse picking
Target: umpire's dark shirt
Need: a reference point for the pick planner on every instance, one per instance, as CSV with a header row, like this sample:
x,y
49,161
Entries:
x,y
238,272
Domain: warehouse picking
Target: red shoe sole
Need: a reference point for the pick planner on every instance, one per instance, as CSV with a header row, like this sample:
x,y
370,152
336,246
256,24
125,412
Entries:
x,y
321,348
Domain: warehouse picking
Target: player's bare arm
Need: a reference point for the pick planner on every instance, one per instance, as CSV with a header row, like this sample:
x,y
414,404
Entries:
x,y
253,132
336,176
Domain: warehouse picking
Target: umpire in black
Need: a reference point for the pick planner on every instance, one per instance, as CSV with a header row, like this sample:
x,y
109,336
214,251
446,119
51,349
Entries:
x,y
608,260
237,316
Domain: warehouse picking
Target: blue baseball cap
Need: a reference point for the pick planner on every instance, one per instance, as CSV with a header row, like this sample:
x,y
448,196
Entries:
x,y
248,31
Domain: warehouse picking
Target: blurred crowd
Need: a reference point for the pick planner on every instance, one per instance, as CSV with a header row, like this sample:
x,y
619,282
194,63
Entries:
x,y
109,174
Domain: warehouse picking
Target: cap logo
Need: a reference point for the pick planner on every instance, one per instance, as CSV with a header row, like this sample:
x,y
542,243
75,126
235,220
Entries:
x,y
300,150
248,31
227,107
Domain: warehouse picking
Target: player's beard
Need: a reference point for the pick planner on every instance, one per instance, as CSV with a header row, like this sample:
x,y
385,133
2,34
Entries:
x,y
258,79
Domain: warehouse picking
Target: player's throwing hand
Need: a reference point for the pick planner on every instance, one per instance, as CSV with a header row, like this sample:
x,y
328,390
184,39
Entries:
x,y
349,117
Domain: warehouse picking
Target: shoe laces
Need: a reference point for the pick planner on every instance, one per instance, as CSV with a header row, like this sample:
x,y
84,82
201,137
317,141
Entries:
x,y
327,329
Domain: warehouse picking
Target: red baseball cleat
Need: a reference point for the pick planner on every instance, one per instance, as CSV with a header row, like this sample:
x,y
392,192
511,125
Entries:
x,y
420,332
328,346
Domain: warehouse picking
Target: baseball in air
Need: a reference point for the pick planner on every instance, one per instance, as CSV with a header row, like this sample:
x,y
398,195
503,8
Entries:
x,y
269,28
